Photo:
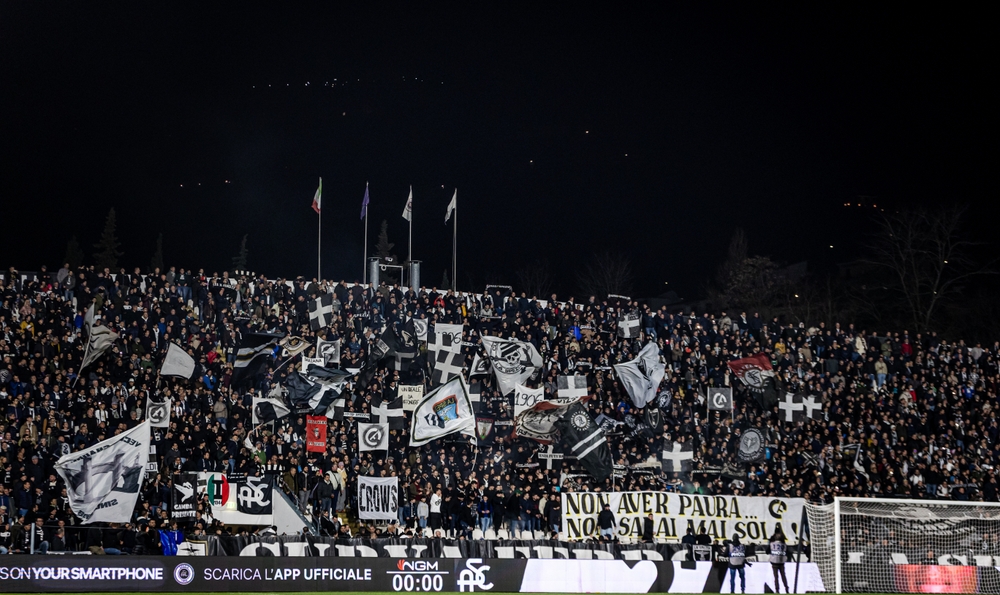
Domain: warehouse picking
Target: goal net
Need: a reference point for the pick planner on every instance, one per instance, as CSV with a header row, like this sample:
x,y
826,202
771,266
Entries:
x,y
906,546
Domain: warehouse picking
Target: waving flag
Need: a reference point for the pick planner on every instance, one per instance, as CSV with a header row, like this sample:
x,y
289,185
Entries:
x,y
364,203
103,481
318,197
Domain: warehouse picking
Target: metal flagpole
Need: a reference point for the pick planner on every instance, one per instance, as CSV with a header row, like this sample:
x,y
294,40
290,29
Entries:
x,y
364,264
409,248
454,248
319,246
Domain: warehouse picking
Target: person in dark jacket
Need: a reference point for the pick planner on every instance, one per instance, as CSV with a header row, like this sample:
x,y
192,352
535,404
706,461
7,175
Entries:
x,y
647,528
150,540
606,522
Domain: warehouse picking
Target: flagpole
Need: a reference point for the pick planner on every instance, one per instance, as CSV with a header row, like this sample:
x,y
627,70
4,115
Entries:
x,y
319,246
454,252
409,248
364,264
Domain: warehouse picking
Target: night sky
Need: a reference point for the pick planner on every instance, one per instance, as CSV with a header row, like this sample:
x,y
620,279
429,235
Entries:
x,y
566,131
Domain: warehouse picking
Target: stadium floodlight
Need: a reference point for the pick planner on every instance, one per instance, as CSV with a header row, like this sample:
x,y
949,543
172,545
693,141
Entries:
x,y
883,545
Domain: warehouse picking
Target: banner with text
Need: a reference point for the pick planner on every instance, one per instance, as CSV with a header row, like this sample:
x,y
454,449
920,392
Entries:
x,y
378,498
411,396
752,518
148,574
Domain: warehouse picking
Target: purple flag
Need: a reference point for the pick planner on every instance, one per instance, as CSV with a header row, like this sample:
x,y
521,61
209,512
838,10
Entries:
x,y
364,203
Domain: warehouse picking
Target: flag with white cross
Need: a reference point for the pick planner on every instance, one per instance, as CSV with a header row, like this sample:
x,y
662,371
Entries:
x,y
447,365
628,325
798,407
679,458
388,411
321,312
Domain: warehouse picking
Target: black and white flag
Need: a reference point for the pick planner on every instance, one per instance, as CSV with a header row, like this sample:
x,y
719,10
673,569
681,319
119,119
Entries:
x,y
378,498
797,407
329,351
403,359
607,424
480,366
752,447
388,411
642,376
571,387
100,340
158,413
720,399
628,325
313,393
254,496
293,346
513,361
373,437
447,365
103,481
420,327
184,496
321,312
583,438
266,409
445,337
251,354
679,458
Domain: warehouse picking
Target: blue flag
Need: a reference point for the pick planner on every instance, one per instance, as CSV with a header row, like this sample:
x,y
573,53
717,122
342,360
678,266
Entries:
x,y
364,203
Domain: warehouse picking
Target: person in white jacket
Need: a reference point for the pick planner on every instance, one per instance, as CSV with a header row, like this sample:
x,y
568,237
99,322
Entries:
x,y
436,509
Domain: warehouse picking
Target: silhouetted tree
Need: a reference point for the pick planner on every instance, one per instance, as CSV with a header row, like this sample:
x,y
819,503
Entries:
x,y
240,260
606,273
924,261
74,253
156,262
107,254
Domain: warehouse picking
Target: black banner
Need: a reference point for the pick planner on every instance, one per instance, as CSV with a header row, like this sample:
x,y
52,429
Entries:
x,y
184,496
253,496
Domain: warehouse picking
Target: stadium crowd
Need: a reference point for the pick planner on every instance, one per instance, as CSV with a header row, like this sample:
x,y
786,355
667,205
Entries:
x,y
905,415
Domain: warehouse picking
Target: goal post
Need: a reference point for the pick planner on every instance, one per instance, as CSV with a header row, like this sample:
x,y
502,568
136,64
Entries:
x,y
888,545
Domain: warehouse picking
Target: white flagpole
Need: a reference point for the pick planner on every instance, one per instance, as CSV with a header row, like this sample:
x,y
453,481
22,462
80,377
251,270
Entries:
x,y
364,264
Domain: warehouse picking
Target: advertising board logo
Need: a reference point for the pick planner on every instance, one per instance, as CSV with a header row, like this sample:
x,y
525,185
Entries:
x,y
473,576
183,574
417,565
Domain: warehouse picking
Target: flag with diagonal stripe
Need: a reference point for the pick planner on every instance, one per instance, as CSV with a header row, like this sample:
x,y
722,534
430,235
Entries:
x,y
582,437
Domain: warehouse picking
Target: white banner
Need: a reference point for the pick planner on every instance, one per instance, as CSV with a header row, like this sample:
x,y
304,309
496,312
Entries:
x,y
752,518
311,361
411,396
525,398
103,481
158,413
378,498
